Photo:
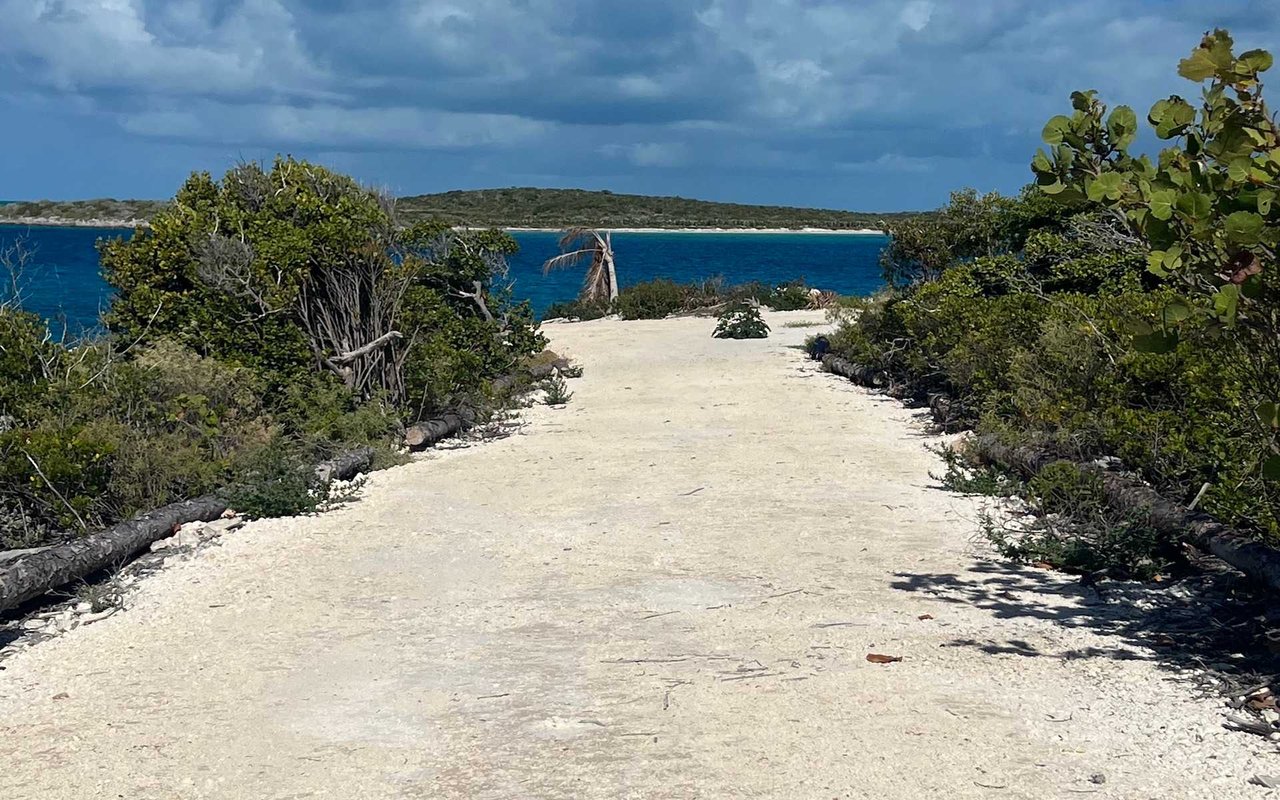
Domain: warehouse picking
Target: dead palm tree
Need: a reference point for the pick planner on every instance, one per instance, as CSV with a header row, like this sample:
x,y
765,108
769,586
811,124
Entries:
x,y
601,284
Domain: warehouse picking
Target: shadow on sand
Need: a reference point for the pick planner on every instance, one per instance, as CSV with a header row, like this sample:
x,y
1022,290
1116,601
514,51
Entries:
x,y
1207,627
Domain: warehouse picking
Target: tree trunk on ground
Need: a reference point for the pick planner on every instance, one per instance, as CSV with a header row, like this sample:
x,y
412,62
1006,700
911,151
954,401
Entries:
x,y
1254,559
858,373
345,466
613,273
425,434
61,564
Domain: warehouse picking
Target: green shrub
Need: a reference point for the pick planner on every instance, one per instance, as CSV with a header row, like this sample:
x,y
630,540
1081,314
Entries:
x,y
286,271
1067,341
789,297
557,391
275,481
741,321
1078,531
654,299
263,323
575,309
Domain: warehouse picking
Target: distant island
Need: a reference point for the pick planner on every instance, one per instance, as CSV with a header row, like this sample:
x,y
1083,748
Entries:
x,y
509,208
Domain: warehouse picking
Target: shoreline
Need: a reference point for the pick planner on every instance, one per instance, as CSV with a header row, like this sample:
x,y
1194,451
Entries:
x,y
60,222
762,231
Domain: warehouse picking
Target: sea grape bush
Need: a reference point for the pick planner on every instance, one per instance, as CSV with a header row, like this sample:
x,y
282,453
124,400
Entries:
x,y
1122,306
1206,207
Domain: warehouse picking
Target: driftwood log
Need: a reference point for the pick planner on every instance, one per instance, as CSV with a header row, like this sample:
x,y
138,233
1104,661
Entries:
x,y
858,373
425,434
42,570
36,574
345,466
1254,559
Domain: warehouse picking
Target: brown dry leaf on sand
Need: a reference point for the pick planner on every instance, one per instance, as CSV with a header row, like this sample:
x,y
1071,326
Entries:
x,y
877,658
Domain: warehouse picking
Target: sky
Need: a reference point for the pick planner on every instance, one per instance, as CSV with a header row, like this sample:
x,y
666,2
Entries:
x,y
870,105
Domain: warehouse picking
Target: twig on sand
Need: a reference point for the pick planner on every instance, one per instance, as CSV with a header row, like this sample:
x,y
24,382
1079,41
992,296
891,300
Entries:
x,y
784,594
661,614
750,675
675,660
695,491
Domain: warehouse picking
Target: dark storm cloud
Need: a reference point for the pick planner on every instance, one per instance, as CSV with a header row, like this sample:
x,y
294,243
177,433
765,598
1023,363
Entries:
x,y
894,102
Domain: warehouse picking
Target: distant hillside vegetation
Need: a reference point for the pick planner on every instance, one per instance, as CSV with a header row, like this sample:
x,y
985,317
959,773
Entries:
x,y
558,208
107,210
517,208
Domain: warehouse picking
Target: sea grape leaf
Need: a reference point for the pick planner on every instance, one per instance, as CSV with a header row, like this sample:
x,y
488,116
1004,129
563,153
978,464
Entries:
x,y
1256,60
1226,301
1271,468
1243,227
1195,205
1176,312
1269,414
1122,126
877,658
1162,201
1197,67
1055,128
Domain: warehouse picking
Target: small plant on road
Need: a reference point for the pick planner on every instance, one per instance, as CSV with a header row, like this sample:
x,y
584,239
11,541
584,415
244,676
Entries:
x,y
741,321
557,391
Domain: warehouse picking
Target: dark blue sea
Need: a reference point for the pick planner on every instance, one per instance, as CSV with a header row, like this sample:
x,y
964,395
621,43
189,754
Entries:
x,y
66,285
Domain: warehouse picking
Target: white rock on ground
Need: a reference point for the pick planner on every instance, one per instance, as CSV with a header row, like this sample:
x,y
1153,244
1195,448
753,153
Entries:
x,y
667,589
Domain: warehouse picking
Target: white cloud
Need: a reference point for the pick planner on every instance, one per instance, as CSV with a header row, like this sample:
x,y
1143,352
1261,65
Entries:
x,y
89,45
916,14
648,154
333,127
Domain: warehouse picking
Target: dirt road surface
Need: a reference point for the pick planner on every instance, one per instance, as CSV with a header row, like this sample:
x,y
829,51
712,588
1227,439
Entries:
x,y
666,589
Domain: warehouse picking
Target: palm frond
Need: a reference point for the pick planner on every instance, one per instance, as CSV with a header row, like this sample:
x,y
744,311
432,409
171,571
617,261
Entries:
x,y
565,260
589,237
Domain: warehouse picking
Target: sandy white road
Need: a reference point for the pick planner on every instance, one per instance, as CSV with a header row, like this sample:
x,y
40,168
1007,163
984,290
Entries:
x,y
665,590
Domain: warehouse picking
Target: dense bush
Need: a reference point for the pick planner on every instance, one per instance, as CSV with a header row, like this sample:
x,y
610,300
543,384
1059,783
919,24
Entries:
x,y
741,320
575,310
295,270
661,298
1055,320
262,324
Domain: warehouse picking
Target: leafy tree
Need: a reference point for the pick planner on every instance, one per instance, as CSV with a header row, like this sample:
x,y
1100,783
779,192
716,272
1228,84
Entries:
x,y
1206,206
297,270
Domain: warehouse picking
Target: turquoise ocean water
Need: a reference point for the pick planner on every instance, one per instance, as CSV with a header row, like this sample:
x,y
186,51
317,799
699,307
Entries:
x,y
66,284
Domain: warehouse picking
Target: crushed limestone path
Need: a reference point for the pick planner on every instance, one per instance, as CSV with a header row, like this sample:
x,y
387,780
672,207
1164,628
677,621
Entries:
x,y
667,589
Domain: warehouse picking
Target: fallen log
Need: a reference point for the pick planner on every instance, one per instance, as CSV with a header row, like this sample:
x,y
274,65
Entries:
x,y
858,373
425,434
345,466
61,564
1256,560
